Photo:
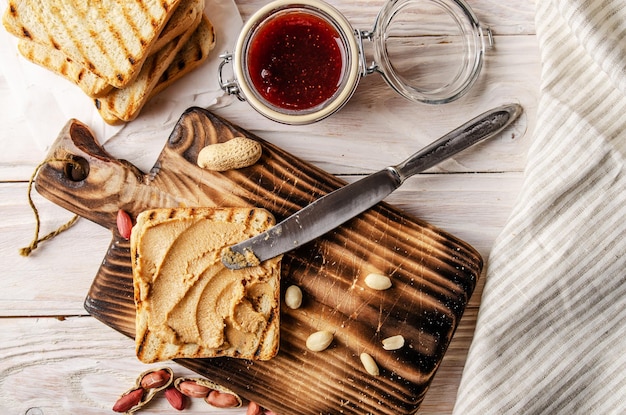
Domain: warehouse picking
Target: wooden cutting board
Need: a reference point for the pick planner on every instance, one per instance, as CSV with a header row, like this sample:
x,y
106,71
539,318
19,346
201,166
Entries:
x,y
433,272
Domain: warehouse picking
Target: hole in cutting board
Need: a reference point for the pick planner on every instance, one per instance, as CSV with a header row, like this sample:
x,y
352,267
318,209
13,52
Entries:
x,y
77,170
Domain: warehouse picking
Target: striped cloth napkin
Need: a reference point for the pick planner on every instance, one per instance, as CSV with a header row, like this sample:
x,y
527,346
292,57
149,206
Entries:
x,y
551,331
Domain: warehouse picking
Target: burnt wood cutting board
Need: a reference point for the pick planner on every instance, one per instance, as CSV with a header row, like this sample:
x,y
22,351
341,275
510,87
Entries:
x,y
433,272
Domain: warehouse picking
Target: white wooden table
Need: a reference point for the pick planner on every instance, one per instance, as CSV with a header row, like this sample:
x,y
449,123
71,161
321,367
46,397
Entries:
x,y
56,359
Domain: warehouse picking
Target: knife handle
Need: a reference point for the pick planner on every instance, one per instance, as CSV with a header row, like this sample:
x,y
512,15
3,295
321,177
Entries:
x,y
477,129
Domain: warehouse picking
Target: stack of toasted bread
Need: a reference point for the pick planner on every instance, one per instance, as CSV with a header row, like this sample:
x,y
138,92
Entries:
x,y
119,52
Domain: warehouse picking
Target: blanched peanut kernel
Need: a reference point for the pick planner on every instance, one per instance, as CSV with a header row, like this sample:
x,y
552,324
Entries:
x,y
319,341
378,281
369,364
293,297
393,342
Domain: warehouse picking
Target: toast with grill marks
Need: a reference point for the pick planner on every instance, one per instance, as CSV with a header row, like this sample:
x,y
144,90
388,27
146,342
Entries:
x,y
192,55
57,62
111,39
181,21
90,83
123,105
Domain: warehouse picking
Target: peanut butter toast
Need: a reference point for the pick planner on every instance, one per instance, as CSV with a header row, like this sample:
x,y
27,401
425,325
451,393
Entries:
x,y
188,304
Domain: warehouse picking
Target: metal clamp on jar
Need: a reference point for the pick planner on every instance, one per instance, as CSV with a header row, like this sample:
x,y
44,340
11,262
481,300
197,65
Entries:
x,y
299,62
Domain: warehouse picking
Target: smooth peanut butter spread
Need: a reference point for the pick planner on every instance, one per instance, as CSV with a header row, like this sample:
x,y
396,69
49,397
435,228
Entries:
x,y
188,303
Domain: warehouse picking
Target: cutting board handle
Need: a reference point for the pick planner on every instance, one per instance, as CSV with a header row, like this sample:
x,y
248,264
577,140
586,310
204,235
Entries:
x,y
83,178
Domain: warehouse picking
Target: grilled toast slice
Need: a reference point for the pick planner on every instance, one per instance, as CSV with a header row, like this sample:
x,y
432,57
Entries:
x,y
112,39
192,55
182,19
57,62
188,304
122,105
90,83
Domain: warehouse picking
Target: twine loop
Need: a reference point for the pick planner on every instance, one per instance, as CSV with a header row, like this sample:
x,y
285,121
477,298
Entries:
x,y
26,251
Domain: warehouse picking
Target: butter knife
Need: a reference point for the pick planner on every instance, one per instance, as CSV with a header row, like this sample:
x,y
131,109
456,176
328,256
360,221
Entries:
x,y
337,207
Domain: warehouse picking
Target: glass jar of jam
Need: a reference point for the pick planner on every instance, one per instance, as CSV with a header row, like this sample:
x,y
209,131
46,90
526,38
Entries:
x,y
299,62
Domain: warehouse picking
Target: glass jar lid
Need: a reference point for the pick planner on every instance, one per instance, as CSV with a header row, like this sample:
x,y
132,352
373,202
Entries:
x,y
429,51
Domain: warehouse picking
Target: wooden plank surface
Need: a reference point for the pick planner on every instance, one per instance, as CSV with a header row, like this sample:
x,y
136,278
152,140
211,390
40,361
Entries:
x,y
57,359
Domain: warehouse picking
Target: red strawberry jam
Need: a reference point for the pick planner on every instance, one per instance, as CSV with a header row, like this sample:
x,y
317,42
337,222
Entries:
x,y
295,61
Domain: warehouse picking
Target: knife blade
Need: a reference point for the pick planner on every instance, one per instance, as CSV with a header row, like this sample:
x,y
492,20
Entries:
x,y
337,207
